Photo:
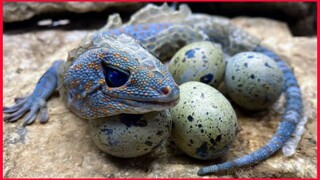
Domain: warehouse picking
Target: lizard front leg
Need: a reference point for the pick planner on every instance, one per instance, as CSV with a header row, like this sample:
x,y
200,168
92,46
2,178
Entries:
x,y
36,102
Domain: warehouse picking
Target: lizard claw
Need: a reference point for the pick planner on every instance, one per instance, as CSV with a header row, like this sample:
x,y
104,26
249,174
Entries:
x,y
19,99
31,105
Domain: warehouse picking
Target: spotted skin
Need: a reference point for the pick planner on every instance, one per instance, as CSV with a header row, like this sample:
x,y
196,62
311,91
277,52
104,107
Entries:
x,y
141,31
90,96
152,86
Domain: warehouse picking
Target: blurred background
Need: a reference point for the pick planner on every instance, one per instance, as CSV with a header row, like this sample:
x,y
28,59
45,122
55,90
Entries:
x,y
22,17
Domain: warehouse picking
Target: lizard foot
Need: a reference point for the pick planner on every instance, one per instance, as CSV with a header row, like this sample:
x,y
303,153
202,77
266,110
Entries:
x,y
35,104
22,106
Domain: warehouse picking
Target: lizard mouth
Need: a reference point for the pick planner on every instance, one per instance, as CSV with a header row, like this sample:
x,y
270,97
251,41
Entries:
x,y
151,105
170,97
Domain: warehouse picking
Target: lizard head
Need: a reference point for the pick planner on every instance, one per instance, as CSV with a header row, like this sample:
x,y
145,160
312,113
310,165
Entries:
x,y
109,80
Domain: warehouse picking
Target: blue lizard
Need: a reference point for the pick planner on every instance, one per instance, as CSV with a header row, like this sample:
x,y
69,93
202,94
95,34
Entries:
x,y
118,71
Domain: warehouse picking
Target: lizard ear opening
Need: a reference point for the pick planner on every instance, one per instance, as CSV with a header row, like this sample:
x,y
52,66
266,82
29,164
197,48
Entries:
x,y
114,76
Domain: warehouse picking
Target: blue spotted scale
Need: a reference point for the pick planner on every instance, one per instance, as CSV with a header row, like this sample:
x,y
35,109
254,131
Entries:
x,y
119,70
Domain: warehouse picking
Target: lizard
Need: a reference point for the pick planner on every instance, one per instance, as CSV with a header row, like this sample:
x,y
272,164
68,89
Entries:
x,y
118,70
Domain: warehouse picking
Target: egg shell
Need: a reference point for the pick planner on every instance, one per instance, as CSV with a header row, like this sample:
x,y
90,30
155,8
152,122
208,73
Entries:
x,y
199,61
131,135
253,80
204,122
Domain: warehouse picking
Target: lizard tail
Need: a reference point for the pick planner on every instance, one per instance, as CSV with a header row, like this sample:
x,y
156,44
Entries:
x,y
290,119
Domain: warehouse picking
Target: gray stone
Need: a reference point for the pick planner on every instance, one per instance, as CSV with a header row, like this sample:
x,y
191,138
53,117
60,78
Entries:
x,y
19,11
63,148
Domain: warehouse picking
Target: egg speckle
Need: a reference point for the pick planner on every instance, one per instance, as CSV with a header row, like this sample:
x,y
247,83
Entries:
x,y
204,122
131,135
253,80
199,61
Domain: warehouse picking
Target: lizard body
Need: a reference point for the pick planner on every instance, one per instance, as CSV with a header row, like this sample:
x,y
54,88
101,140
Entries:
x,y
117,71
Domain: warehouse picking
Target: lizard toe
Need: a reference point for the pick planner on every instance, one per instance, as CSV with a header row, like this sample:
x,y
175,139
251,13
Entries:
x,y
43,112
19,103
29,106
31,116
16,114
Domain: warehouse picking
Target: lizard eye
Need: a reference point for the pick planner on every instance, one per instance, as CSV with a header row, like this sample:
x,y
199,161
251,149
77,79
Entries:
x,y
114,76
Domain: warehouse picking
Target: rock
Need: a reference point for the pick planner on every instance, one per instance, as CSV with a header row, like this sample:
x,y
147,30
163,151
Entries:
x,y
19,11
63,147
300,16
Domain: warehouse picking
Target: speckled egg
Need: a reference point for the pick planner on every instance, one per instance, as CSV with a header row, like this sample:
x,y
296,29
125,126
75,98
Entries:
x,y
253,80
199,61
204,122
131,135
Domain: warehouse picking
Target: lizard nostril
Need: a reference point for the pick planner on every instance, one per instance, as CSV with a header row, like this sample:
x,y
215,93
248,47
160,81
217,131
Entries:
x,y
165,90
